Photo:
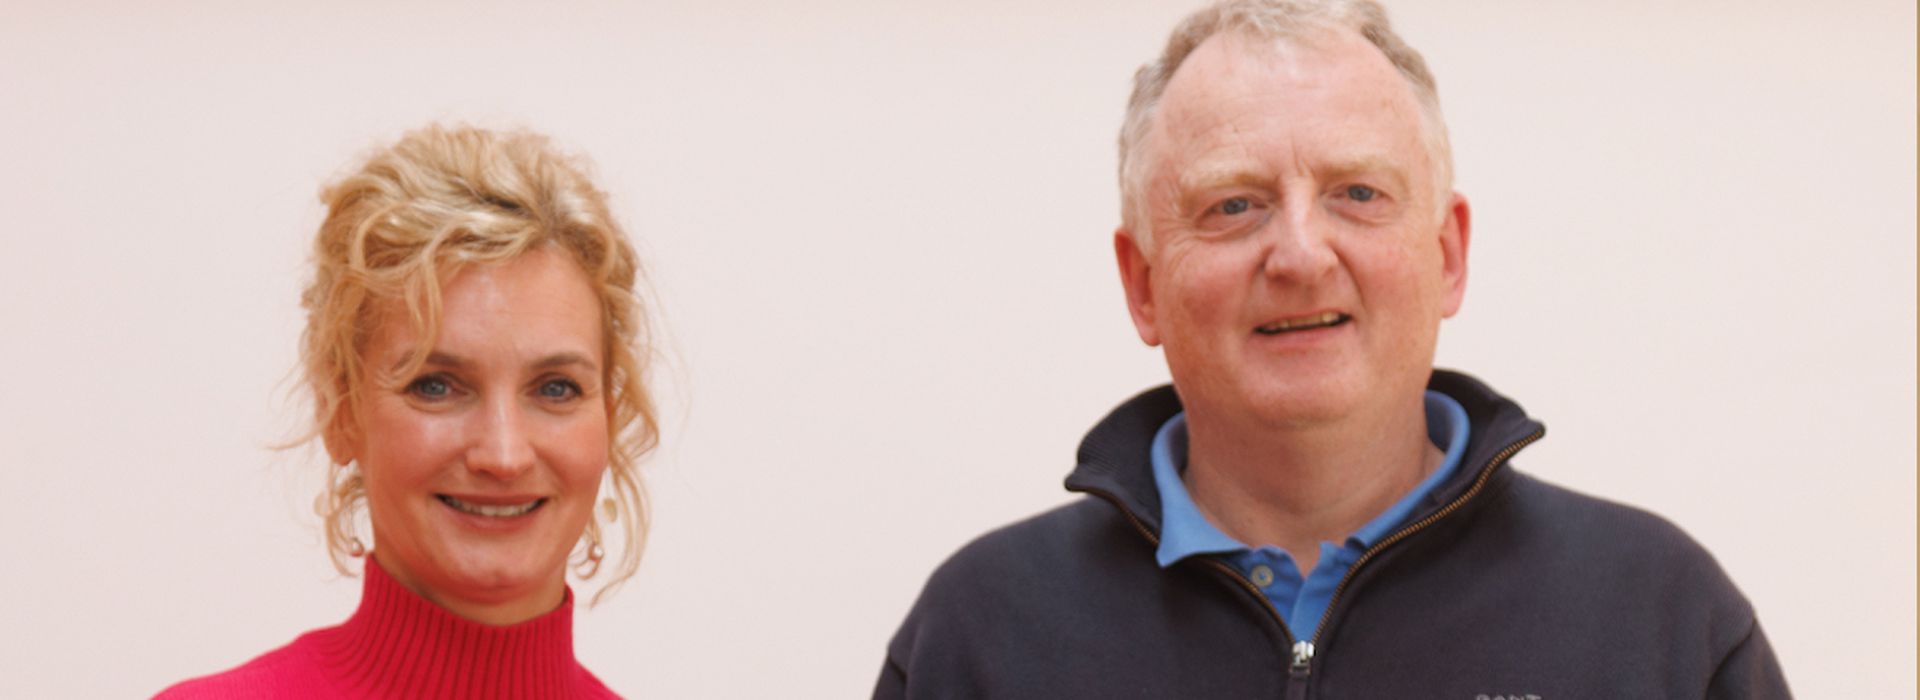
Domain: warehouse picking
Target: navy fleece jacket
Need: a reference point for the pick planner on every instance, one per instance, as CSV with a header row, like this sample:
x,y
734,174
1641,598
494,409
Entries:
x,y
1499,586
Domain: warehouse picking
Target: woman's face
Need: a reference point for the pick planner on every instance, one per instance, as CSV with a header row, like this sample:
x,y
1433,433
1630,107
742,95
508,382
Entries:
x,y
483,466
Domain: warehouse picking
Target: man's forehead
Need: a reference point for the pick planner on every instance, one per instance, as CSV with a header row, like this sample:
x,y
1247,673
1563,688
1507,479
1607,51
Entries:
x,y
1236,66
1333,85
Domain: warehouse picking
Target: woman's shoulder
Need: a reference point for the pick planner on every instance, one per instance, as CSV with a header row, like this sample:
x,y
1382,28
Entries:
x,y
291,671
589,686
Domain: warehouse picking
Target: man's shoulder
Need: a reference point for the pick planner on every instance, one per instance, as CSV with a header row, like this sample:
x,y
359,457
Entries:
x,y
1539,539
1598,528
1531,585
1070,603
1084,534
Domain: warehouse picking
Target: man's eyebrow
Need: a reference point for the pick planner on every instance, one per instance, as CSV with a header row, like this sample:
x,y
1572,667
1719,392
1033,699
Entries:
x,y
1364,164
1206,176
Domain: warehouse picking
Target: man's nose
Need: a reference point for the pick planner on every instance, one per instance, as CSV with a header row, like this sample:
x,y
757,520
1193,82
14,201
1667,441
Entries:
x,y
1296,245
502,445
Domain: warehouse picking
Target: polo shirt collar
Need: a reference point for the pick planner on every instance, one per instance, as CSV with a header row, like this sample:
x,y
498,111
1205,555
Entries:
x,y
1185,532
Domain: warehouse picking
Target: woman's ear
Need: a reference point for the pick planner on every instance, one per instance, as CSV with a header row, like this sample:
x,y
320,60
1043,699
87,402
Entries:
x,y
335,434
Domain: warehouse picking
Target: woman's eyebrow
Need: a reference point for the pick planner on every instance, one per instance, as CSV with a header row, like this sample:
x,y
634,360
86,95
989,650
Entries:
x,y
440,358
562,359
437,358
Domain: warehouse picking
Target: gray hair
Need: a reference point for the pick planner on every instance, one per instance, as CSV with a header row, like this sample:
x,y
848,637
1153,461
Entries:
x,y
1277,20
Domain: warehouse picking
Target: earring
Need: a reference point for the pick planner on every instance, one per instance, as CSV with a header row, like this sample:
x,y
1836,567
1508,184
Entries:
x,y
595,553
356,548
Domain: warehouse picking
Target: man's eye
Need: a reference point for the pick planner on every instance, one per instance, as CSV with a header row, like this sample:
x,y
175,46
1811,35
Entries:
x,y
430,387
559,389
1237,205
1361,193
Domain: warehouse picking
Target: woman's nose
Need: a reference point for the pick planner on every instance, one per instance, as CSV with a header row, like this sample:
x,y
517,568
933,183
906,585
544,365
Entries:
x,y
501,444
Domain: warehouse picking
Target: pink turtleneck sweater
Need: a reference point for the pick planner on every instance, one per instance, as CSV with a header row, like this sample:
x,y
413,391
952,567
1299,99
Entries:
x,y
399,645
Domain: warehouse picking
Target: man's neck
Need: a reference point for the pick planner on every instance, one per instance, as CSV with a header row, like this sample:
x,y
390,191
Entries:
x,y
1295,487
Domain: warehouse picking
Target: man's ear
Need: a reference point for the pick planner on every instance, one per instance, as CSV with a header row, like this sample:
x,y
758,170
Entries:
x,y
1135,278
1455,232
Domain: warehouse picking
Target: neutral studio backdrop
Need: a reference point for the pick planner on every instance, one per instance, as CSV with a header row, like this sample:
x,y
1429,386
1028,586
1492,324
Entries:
x,y
878,236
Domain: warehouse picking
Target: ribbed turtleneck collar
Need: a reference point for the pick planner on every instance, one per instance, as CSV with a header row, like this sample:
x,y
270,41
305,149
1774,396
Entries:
x,y
398,644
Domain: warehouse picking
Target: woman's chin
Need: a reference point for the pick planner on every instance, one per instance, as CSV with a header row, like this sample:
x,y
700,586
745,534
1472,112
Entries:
x,y
489,563
497,577
485,582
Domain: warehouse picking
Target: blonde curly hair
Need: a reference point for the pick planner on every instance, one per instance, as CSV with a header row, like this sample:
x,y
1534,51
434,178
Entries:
x,y
413,215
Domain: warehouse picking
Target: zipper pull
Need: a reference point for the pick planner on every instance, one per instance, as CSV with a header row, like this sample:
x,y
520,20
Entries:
x,y
1302,656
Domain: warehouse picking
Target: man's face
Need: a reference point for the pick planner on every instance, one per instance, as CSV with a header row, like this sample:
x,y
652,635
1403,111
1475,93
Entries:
x,y
1301,259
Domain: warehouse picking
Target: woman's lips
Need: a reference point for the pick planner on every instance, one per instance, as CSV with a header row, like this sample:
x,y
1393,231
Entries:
x,y
492,510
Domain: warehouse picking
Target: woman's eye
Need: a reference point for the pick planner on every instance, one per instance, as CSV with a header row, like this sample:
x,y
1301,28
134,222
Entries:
x,y
1361,193
431,387
559,389
1237,205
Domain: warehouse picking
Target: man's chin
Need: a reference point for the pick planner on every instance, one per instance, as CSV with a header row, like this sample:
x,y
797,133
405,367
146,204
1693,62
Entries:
x,y
1281,407
1298,415
1301,404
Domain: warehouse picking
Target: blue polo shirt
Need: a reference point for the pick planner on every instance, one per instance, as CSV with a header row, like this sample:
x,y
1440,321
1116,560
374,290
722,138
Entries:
x,y
1301,599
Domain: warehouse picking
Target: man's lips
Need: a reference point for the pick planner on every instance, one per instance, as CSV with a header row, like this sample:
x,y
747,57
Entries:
x,y
510,508
1324,319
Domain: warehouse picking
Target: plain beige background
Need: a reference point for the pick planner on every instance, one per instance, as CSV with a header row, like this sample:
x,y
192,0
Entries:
x,y
879,237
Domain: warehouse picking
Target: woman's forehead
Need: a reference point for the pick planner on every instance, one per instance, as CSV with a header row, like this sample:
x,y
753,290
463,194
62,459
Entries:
x,y
523,311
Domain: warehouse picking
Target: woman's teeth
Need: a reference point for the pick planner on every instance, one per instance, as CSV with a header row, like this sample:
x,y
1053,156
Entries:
x,y
492,511
1329,318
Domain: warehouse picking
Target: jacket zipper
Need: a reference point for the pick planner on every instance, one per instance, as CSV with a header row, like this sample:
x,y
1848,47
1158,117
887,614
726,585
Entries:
x,y
1300,666
1479,482
1298,672
1301,662
1302,651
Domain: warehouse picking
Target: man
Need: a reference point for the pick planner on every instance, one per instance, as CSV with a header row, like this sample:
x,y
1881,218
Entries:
x,y
1312,510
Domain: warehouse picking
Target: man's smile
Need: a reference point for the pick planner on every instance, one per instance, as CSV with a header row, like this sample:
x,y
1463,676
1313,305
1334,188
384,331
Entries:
x,y
1325,319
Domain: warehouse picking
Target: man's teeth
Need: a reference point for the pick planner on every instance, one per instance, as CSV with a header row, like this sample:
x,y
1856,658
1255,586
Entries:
x,y
1326,319
492,511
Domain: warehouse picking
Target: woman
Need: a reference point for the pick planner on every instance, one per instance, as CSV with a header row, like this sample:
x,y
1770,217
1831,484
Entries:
x,y
471,345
